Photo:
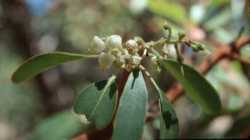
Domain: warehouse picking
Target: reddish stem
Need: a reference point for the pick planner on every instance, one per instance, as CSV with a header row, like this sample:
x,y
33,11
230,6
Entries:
x,y
222,52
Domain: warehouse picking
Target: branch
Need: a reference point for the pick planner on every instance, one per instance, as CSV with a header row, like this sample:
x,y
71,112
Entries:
x,y
222,52
241,59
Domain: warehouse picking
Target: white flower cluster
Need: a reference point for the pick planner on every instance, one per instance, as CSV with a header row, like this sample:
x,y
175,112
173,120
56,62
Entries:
x,y
112,51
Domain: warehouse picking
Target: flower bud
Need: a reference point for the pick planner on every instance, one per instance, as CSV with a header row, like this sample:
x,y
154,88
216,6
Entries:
x,y
132,46
97,45
170,51
197,47
106,60
114,41
136,60
120,61
154,59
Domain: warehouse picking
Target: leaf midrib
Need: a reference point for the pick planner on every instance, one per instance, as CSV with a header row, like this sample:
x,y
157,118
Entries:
x,y
191,88
110,81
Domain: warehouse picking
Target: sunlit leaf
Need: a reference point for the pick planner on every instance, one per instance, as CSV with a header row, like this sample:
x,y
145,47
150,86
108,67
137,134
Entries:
x,y
98,102
197,87
215,9
61,126
166,8
215,3
218,20
129,120
40,63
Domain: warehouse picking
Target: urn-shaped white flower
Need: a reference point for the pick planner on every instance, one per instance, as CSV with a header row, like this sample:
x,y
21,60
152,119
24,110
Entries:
x,y
132,46
97,45
106,60
136,60
113,41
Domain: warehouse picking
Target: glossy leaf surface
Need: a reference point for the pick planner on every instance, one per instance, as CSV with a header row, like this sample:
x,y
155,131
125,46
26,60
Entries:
x,y
97,102
40,63
131,112
196,86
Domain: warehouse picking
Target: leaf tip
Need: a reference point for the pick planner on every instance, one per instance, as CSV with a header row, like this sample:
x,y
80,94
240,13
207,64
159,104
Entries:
x,y
14,78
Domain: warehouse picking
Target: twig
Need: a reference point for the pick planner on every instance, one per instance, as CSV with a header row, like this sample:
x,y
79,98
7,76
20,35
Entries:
x,y
241,59
225,51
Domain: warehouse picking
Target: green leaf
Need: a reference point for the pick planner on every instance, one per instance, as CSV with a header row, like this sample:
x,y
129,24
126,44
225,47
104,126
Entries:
x,y
215,9
171,10
61,126
219,20
169,127
130,116
219,2
98,102
197,87
40,63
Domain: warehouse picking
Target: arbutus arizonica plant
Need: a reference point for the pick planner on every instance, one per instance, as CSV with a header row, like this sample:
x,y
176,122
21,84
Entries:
x,y
124,106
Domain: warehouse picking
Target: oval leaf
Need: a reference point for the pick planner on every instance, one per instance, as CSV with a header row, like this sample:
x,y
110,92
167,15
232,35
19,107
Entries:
x,y
40,63
130,116
61,126
169,127
198,88
98,102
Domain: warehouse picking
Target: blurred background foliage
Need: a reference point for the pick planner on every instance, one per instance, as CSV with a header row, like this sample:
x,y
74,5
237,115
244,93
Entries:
x,y
38,107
